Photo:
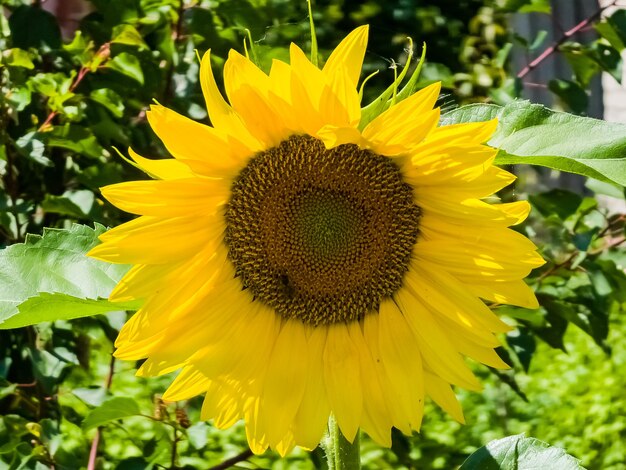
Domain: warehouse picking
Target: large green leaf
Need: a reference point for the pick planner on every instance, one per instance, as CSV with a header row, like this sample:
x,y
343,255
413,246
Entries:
x,y
47,307
111,410
55,263
519,453
535,135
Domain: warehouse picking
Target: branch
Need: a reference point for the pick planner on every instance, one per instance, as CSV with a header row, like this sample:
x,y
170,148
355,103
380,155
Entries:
x,y
93,452
564,37
245,455
175,442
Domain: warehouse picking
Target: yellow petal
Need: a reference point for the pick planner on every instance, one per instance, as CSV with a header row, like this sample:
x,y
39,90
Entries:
x,y
285,381
194,143
399,417
441,392
326,104
511,292
148,240
247,88
255,433
377,419
168,198
348,55
189,383
467,133
312,416
405,124
401,358
166,169
342,376
333,136
437,349
478,263
221,114
457,303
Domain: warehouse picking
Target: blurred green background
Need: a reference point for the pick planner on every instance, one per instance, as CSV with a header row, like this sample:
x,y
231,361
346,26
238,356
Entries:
x,y
76,78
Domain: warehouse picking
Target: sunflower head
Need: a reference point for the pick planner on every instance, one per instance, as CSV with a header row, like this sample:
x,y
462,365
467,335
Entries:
x,y
296,262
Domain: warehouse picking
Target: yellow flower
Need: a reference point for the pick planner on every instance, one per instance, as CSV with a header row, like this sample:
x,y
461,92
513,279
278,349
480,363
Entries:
x,y
293,265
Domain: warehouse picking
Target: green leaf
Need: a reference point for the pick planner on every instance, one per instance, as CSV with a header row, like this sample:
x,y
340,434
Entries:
x,y
54,263
52,307
17,58
518,453
535,135
110,100
607,32
19,97
538,41
571,94
613,29
31,26
556,201
584,66
523,344
31,146
528,6
76,204
76,138
111,410
128,35
609,59
128,65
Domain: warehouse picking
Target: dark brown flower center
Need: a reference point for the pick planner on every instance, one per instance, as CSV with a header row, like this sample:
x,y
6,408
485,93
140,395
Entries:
x,y
321,235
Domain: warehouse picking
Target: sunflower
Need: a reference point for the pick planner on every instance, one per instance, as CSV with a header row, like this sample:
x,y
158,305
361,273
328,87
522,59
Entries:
x,y
294,261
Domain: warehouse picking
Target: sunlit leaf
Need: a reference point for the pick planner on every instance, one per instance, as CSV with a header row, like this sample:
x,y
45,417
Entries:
x,y
128,65
111,410
54,263
517,453
535,135
17,58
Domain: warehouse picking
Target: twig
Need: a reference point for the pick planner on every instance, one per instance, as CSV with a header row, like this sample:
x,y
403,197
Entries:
x,y
175,448
245,455
564,37
93,452
103,52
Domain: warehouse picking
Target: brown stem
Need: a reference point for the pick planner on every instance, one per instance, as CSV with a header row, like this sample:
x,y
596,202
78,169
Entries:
x,y
93,452
245,455
175,448
564,37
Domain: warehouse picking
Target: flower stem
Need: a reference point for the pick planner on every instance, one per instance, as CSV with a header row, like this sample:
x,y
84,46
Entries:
x,y
341,453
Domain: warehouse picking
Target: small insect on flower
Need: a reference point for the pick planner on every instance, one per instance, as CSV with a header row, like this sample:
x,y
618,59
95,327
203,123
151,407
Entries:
x,y
296,259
